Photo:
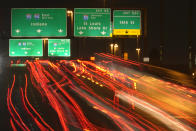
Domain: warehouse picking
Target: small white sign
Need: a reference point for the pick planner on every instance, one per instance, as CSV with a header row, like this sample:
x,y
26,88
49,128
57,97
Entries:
x,y
146,59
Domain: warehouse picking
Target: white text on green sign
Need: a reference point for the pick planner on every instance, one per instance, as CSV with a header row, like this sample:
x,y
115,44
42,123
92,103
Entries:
x,y
39,22
59,47
25,47
127,22
92,22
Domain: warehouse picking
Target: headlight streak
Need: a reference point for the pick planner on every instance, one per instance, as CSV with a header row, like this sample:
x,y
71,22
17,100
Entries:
x,y
31,107
10,105
41,127
12,125
181,101
37,118
168,120
184,116
85,79
85,124
86,89
53,101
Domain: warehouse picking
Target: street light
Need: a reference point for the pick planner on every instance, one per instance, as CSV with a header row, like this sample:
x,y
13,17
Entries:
x,y
138,53
69,12
114,48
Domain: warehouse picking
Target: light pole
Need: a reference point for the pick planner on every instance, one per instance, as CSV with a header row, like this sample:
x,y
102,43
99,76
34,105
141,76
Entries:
x,y
138,49
138,54
112,48
115,48
70,13
45,49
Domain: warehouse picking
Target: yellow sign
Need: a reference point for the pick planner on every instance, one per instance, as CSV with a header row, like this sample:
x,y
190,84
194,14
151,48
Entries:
x,y
126,32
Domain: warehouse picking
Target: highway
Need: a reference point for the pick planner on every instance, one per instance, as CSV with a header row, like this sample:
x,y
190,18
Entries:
x,y
108,94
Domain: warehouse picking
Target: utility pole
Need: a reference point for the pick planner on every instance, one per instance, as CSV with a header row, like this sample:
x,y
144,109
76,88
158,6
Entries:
x,y
138,49
190,37
161,29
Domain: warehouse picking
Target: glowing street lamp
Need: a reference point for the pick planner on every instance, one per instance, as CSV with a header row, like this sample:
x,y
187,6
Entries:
x,y
112,48
138,53
115,48
69,12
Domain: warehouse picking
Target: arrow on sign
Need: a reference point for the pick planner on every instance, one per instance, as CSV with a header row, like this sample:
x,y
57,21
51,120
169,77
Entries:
x,y
17,31
103,32
80,32
60,30
39,30
126,31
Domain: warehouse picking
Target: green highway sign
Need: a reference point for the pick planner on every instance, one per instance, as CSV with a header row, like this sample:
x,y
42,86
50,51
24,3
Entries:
x,y
93,22
25,47
127,22
39,22
59,47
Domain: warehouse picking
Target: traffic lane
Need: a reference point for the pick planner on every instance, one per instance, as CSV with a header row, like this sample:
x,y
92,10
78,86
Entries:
x,y
41,104
99,107
150,88
27,108
181,99
63,92
158,114
176,100
130,108
20,116
105,110
103,91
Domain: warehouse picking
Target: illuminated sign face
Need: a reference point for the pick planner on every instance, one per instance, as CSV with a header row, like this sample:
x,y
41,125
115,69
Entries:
x,y
92,22
39,22
25,47
59,47
127,22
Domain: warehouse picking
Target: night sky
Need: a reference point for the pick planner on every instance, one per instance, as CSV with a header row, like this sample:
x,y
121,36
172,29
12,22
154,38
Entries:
x,y
175,27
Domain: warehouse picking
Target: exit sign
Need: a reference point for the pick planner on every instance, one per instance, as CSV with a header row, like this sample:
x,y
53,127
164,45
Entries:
x,y
127,22
59,47
92,22
39,22
25,47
